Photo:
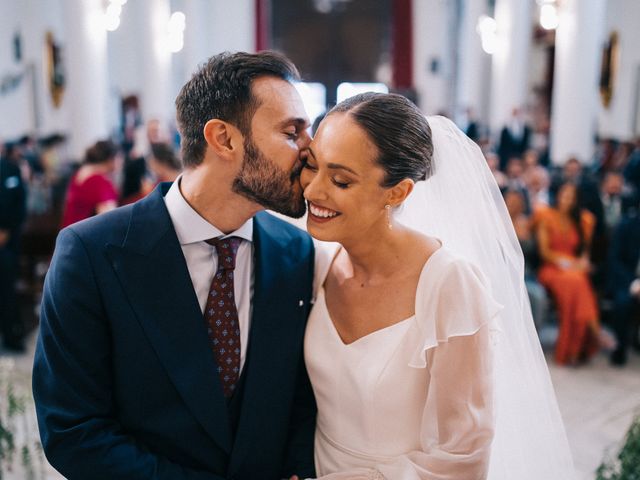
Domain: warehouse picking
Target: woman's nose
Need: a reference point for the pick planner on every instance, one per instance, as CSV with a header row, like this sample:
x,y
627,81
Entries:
x,y
312,186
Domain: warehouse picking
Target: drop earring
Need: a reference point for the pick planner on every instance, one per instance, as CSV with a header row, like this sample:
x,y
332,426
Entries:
x,y
388,209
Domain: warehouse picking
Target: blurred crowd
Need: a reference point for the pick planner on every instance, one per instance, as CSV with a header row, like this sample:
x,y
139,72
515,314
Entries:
x,y
578,224
43,190
579,229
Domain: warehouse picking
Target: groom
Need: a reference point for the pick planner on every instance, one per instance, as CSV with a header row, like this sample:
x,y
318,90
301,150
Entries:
x,y
171,330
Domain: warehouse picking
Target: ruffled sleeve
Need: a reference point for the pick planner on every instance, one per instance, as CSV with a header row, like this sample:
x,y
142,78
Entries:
x,y
457,304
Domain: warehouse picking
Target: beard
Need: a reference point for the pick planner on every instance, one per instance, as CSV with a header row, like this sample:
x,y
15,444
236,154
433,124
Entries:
x,y
263,182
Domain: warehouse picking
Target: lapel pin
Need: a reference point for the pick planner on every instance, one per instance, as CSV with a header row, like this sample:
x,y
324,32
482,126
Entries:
x,y
301,303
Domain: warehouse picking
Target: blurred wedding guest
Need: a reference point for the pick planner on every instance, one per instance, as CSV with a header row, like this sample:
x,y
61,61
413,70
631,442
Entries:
x,y
163,165
516,180
589,193
13,204
564,234
135,168
30,153
130,121
514,137
537,182
90,190
470,125
632,168
612,196
493,162
624,284
523,226
604,156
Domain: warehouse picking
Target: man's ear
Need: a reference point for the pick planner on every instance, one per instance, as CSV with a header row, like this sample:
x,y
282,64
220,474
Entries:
x,y
222,138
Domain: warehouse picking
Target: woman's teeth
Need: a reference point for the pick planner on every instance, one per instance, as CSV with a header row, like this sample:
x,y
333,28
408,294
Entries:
x,y
322,212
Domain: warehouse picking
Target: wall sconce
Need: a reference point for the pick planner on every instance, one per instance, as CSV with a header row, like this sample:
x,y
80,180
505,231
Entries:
x,y
549,19
112,14
487,28
175,30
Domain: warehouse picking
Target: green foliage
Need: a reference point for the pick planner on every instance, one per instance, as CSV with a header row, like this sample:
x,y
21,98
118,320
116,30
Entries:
x,y
15,435
626,466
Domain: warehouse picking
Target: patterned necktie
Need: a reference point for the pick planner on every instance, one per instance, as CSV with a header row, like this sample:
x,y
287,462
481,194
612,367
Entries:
x,y
221,314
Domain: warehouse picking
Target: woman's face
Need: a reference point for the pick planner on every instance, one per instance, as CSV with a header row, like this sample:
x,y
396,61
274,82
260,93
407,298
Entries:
x,y
514,202
342,183
566,197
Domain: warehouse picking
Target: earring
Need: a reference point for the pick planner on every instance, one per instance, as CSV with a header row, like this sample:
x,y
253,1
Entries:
x,y
388,209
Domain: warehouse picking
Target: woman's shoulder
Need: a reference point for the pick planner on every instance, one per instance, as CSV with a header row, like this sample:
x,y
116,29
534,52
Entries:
x,y
325,252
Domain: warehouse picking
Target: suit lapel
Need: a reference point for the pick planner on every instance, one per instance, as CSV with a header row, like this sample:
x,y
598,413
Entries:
x,y
153,272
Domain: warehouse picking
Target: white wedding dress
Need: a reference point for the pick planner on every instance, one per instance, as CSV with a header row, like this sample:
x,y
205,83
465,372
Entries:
x,y
412,400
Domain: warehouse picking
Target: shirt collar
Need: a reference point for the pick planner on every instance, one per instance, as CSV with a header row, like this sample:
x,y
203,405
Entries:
x,y
190,227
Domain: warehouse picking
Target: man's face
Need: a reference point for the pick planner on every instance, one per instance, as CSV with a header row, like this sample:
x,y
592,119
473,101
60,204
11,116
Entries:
x,y
270,173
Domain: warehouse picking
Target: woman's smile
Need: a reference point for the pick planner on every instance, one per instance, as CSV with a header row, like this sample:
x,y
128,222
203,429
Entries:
x,y
321,214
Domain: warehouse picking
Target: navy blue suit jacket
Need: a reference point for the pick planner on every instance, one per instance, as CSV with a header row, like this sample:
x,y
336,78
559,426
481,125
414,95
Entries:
x,y
124,380
624,255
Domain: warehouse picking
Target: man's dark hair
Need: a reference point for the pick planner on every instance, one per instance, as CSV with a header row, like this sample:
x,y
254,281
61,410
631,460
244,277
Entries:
x,y
221,89
399,131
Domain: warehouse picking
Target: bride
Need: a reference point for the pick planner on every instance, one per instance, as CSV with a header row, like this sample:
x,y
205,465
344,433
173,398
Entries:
x,y
420,347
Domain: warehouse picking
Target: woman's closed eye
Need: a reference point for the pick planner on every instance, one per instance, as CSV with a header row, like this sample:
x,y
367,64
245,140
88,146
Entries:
x,y
340,183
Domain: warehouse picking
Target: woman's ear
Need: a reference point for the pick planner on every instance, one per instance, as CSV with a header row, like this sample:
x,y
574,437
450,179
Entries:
x,y
399,192
222,137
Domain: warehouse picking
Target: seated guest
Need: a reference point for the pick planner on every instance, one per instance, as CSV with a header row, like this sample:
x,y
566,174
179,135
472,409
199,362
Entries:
x,y
523,226
624,283
537,182
564,233
164,166
493,162
90,190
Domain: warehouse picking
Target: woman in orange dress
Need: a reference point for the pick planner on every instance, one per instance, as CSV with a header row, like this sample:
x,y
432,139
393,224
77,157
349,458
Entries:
x,y
564,235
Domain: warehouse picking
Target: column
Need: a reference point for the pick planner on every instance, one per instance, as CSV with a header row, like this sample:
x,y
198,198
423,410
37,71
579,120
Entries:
x,y
432,56
574,105
87,81
509,66
152,19
472,80
198,24
213,27
233,26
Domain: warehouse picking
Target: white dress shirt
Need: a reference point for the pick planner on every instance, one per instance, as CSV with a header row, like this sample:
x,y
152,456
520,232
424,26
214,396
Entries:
x,y
202,260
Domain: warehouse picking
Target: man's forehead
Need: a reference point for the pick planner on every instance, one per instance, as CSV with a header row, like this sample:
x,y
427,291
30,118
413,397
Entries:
x,y
278,95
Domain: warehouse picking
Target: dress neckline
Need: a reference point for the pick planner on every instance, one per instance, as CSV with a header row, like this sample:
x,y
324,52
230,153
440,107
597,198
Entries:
x,y
332,325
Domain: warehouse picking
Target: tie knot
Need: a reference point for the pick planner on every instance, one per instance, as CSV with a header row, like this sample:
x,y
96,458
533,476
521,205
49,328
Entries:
x,y
226,248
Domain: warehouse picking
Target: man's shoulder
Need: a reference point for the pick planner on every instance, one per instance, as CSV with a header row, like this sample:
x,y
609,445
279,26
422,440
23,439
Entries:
x,y
106,227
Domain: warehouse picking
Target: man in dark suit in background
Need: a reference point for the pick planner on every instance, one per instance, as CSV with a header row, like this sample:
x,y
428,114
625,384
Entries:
x,y
624,283
515,137
172,329
13,210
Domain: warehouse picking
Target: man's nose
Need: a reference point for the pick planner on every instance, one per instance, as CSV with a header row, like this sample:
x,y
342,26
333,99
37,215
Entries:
x,y
304,140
